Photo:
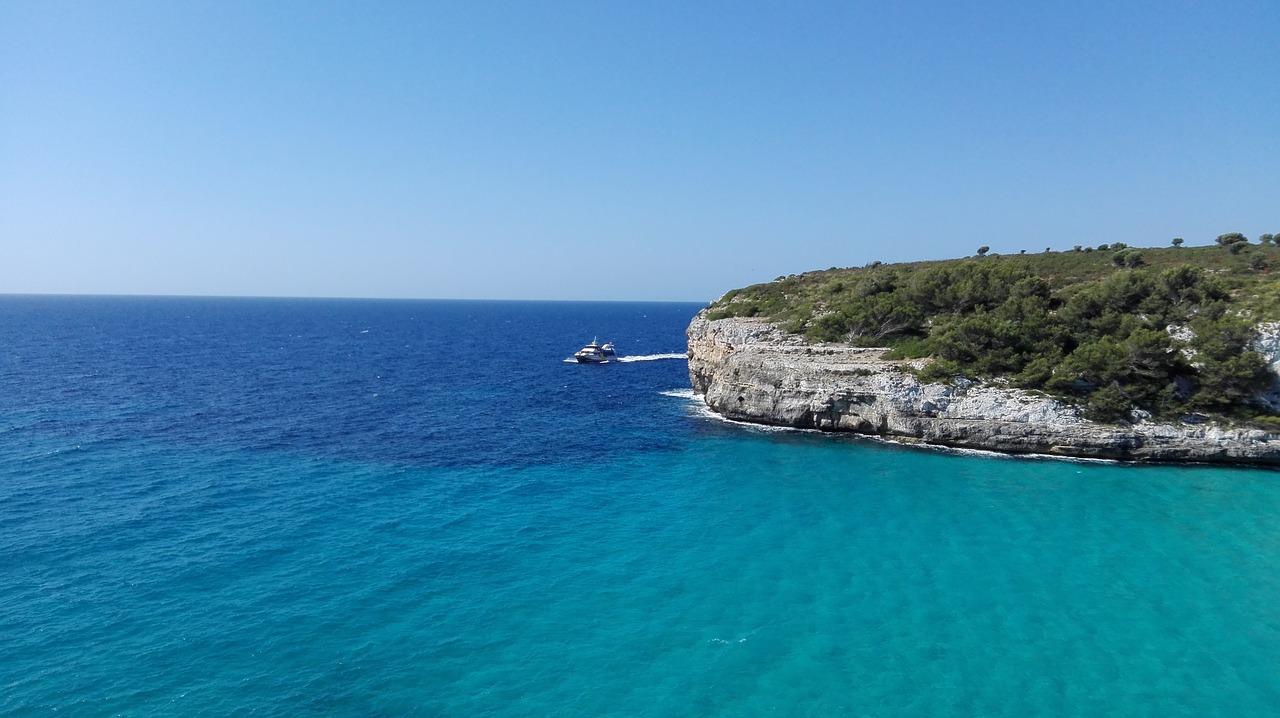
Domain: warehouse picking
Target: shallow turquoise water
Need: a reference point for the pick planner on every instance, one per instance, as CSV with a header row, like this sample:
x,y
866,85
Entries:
x,y
417,559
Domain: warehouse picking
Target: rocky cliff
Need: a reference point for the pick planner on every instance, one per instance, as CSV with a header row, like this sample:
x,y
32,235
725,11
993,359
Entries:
x,y
746,369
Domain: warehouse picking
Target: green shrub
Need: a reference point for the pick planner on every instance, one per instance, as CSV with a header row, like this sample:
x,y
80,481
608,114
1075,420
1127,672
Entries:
x,y
1266,421
1108,404
910,348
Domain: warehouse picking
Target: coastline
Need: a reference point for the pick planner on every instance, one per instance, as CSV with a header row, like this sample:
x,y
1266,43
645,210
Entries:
x,y
749,370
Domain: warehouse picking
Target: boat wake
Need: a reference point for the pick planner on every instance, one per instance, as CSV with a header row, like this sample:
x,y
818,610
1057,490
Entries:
x,y
627,360
653,357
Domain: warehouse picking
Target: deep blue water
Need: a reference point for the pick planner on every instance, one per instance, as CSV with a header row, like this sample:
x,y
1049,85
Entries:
x,y
312,507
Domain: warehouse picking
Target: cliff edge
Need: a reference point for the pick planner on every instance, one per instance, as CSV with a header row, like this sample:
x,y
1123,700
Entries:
x,y
747,369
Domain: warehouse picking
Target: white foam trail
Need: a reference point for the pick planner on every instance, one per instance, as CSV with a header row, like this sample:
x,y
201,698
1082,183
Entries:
x,y
652,357
698,407
638,357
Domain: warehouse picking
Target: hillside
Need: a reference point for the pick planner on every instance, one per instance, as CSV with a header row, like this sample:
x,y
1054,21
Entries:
x,y
1168,331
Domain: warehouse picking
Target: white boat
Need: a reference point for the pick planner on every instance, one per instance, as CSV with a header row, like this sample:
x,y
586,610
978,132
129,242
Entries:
x,y
596,353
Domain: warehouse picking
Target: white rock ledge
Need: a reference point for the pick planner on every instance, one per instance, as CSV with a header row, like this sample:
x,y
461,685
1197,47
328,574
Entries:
x,y
748,370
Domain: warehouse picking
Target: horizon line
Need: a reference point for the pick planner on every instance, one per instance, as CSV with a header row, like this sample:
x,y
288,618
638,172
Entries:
x,y
90,295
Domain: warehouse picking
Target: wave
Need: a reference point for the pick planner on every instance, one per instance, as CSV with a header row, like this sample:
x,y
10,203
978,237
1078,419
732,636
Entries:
x,y
697,407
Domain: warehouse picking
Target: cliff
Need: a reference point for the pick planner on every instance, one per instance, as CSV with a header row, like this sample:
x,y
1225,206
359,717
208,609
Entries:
x,y
747,369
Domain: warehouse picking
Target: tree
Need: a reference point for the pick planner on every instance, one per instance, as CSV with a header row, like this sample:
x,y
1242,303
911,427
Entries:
x,y
1177,241
1180,286
1130,258
982,251
1109,404
1267,239
1230,238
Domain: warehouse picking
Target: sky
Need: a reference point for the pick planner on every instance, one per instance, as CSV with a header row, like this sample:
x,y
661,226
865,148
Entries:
x,y
613,151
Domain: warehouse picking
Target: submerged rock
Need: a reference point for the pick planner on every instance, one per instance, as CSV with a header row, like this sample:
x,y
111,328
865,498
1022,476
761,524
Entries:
x,y
747,369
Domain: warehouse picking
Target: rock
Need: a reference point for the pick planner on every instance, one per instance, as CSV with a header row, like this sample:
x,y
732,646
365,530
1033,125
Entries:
x,y
1268,345
749,370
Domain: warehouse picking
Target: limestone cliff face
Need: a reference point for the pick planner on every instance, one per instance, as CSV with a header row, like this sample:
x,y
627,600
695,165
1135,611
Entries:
x,y
748,370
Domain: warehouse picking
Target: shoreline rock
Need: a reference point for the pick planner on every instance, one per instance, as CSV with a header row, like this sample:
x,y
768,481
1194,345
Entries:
x,y
748,370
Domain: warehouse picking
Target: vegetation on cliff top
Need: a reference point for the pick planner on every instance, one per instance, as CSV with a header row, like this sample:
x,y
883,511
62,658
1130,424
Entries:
x,y
1165,330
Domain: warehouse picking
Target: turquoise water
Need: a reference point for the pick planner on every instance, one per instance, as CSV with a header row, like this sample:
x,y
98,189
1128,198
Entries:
x,y
365,531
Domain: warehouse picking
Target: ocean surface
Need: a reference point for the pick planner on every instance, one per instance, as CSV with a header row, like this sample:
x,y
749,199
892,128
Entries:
x,y
380,508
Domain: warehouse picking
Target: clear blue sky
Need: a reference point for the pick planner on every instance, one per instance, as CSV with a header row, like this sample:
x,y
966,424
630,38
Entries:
x,y
656,150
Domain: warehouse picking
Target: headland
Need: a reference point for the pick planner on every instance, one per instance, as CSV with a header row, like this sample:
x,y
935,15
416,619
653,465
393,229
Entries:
x,y
1167,364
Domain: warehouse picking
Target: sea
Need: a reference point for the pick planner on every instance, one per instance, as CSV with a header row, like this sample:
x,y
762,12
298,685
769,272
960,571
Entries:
x,y
297,507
